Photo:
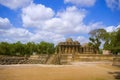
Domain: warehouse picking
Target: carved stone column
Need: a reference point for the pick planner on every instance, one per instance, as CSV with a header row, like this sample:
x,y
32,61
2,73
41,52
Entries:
x,y
65,49
76,49
70,50
60,49
84,49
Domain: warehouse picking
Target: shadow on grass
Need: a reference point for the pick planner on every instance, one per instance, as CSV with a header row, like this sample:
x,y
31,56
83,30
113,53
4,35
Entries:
x,y
116,74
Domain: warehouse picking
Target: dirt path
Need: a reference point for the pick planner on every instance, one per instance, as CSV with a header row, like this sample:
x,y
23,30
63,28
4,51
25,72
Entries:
x,y
82,71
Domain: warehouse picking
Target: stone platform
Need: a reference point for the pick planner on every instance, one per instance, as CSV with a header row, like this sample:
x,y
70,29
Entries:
x,y
69,58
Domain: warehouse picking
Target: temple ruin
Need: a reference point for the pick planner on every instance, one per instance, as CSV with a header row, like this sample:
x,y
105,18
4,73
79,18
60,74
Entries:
x,y
74,47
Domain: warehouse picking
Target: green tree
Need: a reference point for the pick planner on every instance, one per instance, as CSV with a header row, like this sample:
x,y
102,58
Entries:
x,y
114,42
45,48
96,37
20,49
95,43
30,47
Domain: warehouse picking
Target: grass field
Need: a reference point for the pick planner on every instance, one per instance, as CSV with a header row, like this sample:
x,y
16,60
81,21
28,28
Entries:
x,y
78,71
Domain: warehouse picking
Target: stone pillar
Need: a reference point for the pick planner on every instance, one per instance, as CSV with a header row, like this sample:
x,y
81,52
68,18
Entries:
x,y
76,49
69,49
85,49
72,49
63,49
60,49
79,49
66,49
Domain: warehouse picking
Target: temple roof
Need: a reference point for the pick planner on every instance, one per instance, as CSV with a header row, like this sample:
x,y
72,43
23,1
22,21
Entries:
x,y
69,41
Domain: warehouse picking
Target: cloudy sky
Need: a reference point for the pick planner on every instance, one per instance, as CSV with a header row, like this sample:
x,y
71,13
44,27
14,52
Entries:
x,y
56,20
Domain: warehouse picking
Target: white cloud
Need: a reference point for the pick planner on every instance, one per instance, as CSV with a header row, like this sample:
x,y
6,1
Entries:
x,y
82,3
14,4
5,23
35,15
112,28
18,34
118,26
70,21
113,4
64,22
48,25
10,33
13,34
47,36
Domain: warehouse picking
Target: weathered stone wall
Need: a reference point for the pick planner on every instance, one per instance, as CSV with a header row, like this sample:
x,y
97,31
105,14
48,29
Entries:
x,y
116,61
35,59
5,60
68,58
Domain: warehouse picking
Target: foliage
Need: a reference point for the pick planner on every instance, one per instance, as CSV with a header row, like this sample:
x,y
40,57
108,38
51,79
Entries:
x,y
96,36
99,33
95,43
111,40
20,49
46,48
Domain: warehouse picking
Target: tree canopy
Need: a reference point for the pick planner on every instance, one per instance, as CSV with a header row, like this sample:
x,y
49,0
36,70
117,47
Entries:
x,y
111,39
96,36
20,49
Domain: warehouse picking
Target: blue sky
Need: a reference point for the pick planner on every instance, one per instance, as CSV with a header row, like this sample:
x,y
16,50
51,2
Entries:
x,y
56,20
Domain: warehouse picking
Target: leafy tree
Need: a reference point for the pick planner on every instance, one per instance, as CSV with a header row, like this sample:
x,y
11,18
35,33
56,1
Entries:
x,y
96,36
95,43
114,42
19,49
30,47
46,48
4,48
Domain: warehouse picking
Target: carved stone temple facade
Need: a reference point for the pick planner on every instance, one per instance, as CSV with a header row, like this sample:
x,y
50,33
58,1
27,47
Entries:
x,y
74,47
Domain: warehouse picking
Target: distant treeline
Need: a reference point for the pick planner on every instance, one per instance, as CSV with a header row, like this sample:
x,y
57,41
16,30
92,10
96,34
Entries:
x,y
20,49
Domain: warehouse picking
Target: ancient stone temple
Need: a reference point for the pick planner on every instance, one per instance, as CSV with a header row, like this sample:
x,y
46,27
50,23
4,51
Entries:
x,y
74,47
